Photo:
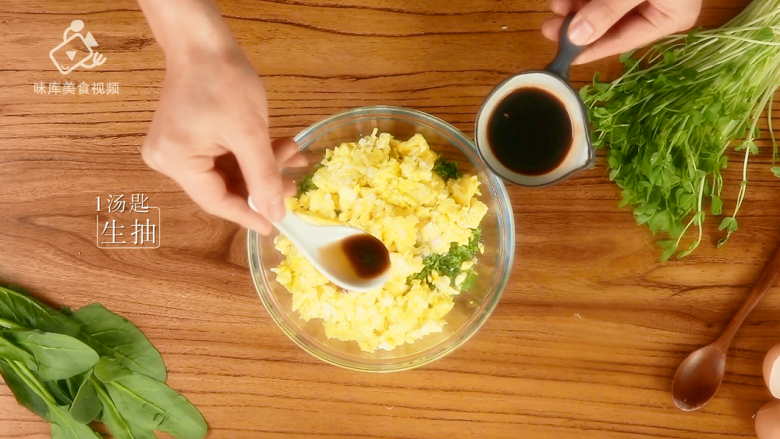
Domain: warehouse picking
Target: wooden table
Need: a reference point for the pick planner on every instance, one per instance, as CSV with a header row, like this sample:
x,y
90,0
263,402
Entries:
x,y
583,344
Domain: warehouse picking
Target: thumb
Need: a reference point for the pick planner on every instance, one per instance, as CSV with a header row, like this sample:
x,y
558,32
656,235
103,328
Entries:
x,y
597,17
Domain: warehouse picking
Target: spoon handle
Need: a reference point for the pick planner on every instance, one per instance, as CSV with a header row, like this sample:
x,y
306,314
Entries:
x,y
291,224
567,52
761,286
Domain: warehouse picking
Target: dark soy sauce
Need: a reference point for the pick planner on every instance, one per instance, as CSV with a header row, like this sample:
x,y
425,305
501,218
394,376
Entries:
x,y
357,257
367,255
530,131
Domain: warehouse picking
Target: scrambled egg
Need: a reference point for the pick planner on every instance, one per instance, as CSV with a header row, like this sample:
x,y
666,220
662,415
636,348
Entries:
x,y
387,188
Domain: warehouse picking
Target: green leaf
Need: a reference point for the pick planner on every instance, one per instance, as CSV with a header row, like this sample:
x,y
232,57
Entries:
x,y
669,246
683,254
114,336
25,396
713,111
86,406
11,352
676,229
584,92
643,218
749,145
687,201
776,171
696,118
765,34
26,311
625,56
689,74
120,427
153,405
73,384
716,205
669,58
108,370
660,221
58,356
730,224
733,227
65,427
61,396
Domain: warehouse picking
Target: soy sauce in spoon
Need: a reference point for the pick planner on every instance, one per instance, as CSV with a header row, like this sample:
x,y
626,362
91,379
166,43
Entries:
x,y
350,258
355,258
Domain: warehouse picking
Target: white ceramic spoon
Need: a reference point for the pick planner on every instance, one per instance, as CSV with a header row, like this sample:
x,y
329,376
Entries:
x,y
348,257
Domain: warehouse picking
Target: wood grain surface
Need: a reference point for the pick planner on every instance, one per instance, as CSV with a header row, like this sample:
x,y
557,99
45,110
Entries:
x,y
583,344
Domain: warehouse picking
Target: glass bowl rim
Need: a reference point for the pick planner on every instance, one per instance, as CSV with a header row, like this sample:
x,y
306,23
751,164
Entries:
x,y
505,218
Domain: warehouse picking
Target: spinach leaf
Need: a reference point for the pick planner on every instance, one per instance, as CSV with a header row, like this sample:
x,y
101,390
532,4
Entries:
x,y
152,405
65,427
61,395
58,356
86,405
109,371
31,393
11,352
120,427
113,336
25,396
20,308
73,384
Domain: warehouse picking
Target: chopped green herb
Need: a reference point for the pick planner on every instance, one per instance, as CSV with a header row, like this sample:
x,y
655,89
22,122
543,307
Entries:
x,y
448,264
305,185
447,169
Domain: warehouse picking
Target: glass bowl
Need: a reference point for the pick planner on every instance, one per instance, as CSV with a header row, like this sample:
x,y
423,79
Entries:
x,y
472,307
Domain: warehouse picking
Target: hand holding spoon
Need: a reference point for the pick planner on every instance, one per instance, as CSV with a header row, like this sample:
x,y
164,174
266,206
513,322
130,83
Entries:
x,y
349,257
699,376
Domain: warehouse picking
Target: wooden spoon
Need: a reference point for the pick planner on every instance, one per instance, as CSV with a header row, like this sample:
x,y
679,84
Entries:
x,y
699,376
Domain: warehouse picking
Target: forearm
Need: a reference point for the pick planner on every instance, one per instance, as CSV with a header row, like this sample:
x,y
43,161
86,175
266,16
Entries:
x,y
187,28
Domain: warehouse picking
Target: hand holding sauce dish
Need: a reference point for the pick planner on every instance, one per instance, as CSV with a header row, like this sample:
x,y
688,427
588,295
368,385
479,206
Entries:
x,y
533,129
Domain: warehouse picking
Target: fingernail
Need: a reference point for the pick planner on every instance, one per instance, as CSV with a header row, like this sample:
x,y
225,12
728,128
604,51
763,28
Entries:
x,y
277,210
580,32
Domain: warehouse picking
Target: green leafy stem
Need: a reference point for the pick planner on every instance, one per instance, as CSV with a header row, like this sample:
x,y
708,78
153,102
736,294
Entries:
x,y
674,112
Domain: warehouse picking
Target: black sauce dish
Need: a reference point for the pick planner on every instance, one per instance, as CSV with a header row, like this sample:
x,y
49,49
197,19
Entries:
x,y
533,129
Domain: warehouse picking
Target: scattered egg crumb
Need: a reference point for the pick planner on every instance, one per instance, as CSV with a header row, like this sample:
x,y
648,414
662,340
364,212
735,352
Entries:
x,y
387,188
